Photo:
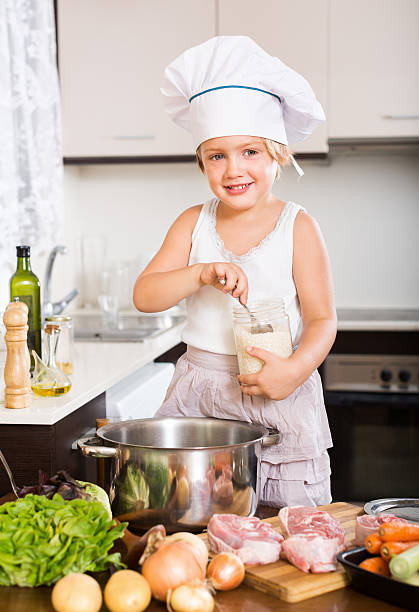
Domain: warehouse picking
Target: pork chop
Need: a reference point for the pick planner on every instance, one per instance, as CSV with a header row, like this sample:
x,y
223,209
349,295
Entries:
x,y
313,538
254,541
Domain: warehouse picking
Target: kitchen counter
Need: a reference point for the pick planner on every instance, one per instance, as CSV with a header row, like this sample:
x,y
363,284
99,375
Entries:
x,y
242,599
98,366
378,319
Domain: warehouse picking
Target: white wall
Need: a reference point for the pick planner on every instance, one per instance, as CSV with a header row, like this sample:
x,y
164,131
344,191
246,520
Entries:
x,y
367,206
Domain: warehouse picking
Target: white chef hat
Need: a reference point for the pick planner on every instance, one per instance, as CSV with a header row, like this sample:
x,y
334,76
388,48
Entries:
x,y
230,86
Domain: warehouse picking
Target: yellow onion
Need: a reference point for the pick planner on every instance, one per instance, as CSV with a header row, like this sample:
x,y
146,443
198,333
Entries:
x,y
194,540
190,598
76,592
225,571
174,563
127,591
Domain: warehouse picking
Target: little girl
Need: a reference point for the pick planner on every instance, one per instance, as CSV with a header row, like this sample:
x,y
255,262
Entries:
x,y
243,107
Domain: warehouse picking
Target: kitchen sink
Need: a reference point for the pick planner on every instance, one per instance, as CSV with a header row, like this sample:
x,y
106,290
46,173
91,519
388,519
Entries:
x,y
130,328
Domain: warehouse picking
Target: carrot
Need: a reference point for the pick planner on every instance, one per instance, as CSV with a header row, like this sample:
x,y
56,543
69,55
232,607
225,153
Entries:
x,y
389,549
398,532
373,543
377,565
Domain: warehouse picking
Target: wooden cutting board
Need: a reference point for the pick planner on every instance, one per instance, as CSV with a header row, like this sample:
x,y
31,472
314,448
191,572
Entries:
x,y
290,584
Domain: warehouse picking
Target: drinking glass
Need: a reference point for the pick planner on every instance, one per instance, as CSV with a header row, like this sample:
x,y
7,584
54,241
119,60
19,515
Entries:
x,y
109,310
93,254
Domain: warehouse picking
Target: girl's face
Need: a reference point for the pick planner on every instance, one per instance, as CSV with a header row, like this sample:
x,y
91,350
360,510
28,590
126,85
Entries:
x,y
239,170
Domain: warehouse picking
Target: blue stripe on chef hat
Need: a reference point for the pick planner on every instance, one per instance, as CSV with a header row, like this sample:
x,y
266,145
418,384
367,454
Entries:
x,y
233,86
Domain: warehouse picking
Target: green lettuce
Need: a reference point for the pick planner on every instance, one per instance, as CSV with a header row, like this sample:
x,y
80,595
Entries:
x,y
97,494
42,540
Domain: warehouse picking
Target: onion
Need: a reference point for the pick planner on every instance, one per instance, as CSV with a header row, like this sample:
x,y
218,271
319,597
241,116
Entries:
x,y
194,540
76,592
174,563
225,571
127,591
190,598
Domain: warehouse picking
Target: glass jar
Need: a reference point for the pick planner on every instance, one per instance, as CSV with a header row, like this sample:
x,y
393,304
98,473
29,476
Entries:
x,y
271,313
65,349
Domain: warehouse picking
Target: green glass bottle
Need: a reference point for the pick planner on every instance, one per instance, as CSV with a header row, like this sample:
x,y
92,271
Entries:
x,y
24,284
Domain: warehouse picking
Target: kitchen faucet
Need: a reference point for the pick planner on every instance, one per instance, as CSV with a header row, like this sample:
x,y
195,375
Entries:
x,y
54,308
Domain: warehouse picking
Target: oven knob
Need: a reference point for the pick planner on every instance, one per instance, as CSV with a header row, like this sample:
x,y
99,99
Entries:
x,y
404,376
386,375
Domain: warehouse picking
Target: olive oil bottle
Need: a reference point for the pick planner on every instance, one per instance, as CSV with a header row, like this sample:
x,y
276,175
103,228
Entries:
x,y
24,284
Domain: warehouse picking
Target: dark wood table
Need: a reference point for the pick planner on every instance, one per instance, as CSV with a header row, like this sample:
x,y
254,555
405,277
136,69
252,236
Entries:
x,y
242,599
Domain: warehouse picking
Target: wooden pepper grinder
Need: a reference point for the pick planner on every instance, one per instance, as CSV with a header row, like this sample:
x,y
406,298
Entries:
x,y
17,378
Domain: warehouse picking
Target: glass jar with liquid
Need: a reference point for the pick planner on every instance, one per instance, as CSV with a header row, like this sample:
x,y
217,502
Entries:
x,y
65,345
270,331
48,379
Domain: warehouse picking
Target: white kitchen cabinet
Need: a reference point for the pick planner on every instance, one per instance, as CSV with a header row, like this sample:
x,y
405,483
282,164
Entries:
x,y
374,77
111,61
296,32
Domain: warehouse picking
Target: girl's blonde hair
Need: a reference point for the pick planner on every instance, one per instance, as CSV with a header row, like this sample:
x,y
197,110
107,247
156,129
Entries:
x,y
279,152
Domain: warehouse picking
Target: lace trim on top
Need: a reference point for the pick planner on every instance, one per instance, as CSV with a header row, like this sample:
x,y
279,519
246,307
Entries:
x,y
229,255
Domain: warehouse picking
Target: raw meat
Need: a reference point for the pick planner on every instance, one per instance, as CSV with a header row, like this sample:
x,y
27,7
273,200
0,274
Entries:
x,y
313,540
367,524
311,551
302,519
254,541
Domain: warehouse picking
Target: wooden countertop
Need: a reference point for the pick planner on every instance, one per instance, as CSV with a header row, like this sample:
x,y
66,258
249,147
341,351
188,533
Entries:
x,y
242,599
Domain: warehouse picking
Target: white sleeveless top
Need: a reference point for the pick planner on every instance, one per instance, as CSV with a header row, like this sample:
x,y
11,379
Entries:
x,y
268,268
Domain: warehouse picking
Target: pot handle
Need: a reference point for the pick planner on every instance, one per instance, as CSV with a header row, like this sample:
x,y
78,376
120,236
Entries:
x,y
90,447
273,437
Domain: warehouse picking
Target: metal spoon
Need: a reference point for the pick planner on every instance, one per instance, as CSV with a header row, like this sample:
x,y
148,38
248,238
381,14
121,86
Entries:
x,y
15,488
257,326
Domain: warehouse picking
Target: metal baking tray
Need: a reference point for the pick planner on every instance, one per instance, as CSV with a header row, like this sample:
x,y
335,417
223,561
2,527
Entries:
x,y
402,507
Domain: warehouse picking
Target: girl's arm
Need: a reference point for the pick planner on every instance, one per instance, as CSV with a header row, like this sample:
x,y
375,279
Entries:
x,y
313,280
168,279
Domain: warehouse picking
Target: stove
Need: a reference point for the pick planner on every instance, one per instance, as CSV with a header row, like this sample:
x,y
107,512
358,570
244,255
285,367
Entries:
x,y
371,391
372,373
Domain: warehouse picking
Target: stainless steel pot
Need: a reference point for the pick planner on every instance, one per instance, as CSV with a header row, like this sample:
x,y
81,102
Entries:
x,y
180,471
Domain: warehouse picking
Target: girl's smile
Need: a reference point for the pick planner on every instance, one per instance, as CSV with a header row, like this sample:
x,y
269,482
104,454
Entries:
x,y
238,189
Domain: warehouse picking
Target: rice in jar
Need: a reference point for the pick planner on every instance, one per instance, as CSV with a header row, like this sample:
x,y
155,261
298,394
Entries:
x,y
278,341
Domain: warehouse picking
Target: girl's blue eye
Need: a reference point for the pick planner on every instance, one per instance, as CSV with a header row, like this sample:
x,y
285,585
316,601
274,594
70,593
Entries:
x,y
250,152
217,156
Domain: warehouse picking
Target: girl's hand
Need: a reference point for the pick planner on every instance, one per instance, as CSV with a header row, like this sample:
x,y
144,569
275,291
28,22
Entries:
x,y
233,279
277,379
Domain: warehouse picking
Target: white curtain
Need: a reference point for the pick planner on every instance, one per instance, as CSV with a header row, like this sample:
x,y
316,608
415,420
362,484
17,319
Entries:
x,y
31,171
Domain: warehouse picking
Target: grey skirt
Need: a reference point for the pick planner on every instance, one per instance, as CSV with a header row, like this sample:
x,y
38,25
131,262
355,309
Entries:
x,y
294,472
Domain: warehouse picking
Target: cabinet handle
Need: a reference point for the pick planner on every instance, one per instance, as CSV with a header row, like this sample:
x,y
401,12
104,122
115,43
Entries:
x,y
400,117
133,137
